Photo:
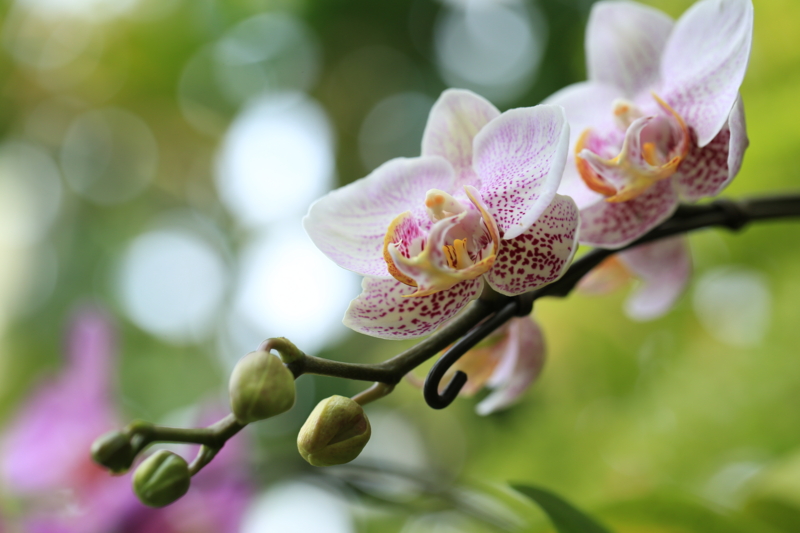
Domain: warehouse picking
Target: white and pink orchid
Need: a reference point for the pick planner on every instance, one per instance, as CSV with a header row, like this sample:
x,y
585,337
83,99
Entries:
x,y
479,204
660,120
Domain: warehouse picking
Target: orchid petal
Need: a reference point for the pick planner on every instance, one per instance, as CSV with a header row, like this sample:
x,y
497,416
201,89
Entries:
x,y
520,365
455,119
624,43
704,63
664,268
541,254
381,310
708,170
520,157
350,223
615,224
587,105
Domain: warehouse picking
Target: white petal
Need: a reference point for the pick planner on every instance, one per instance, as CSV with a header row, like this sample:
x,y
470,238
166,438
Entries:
x,y
705,61
456,118
382,311
708,170
349,224
613,225
541,254
624,43
519,158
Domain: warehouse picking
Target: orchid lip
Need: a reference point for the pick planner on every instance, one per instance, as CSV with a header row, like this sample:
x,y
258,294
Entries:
x,y
461,245
653,148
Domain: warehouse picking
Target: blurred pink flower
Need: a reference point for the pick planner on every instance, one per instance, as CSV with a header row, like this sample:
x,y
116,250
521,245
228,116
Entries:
x,y
507,362
45,461
663,269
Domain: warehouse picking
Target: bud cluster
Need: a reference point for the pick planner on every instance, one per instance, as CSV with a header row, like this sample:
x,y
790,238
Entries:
x,y
260,387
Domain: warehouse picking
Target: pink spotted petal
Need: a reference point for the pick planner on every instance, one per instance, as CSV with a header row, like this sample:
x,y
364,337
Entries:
x,y
624,43
381,311
519,158
521,364
541,254
455,119
705,61
708,170
349,224
664,268
613,225
588,105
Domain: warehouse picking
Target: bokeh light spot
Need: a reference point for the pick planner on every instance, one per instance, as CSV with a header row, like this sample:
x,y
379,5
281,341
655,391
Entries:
x,y
171,283
734,305
493,48
275,160
288,288
298,507
30,193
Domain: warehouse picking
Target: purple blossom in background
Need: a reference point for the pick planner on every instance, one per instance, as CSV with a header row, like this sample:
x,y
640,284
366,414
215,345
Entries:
x,y
45,462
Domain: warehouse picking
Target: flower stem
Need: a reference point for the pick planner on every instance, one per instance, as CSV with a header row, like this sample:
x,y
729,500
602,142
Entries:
x,y
725,213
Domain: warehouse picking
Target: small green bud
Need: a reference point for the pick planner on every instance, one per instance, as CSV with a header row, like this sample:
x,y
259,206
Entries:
x,y
335,432
113,451
260,387
161,479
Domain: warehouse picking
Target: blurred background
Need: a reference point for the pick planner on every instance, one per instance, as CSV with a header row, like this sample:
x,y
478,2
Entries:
x,y
156,159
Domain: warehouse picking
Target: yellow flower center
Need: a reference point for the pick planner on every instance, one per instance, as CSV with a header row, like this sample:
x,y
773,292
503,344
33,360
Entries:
x,y
461,245
653,149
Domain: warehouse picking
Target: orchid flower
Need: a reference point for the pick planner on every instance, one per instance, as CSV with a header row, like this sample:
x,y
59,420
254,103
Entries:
x,y
479,204
660,120
663,269
507,362
44,457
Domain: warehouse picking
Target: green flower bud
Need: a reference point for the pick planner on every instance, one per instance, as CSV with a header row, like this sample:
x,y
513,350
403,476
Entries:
x,y
335,432
260,387
113,451
161,479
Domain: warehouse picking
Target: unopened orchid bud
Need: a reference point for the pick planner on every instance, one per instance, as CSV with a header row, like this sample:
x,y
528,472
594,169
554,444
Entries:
x,y
161,479
335,432
113,451
260,387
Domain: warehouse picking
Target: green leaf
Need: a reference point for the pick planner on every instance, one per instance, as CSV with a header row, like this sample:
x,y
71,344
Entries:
x,y
565,517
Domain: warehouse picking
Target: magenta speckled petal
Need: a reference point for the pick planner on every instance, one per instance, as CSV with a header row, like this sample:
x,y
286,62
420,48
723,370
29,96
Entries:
x,y
704,63
540,255
381,311
588,105
519,367
349,224
624,43
664,268
520,157
612,225
455,119
708,170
